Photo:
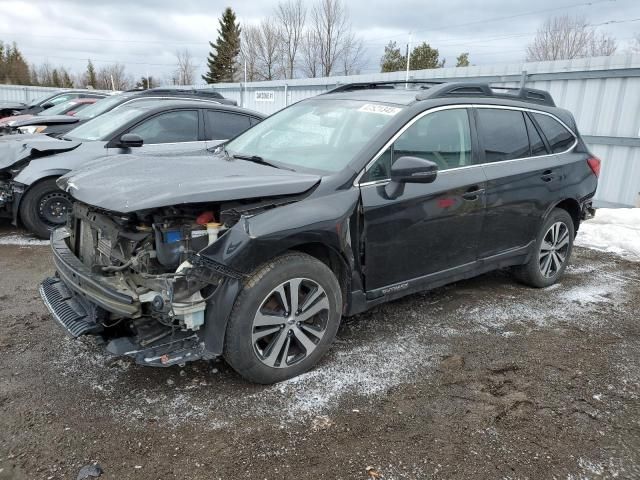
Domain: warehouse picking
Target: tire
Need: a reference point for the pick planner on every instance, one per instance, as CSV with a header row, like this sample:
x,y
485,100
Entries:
x,y
262,343
547,265
44,208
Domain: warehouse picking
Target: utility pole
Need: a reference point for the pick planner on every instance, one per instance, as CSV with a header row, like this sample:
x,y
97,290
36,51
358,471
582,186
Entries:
x,y
406,78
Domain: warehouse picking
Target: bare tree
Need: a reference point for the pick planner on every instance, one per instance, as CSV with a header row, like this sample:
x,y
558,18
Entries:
x,y
352,55
269,51
186,68
291,17
114,77
635,44
566,37
261,50
330,26
250,38
311,54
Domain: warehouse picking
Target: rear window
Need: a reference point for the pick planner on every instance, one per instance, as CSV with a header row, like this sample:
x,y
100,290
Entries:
x,y
503,134
224,125
559,138
537,144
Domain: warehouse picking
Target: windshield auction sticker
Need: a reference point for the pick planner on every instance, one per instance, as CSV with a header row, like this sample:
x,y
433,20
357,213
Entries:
x,y
377,108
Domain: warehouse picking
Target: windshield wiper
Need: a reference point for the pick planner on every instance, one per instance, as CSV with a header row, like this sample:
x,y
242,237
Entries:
x,y
258,159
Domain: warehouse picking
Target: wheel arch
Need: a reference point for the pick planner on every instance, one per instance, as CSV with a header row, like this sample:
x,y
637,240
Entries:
x,y
572,207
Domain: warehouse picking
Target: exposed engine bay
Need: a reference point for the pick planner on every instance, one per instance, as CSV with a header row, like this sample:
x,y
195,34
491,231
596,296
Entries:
x,y
151,257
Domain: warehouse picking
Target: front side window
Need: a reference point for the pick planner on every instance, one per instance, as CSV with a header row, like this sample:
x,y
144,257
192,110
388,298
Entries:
x,y
170,127
503,134
559,138
317,134
443,137
221,125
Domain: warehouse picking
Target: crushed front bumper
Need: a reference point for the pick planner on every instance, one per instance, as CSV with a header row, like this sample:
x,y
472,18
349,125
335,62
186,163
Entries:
x,y
80,301
78,278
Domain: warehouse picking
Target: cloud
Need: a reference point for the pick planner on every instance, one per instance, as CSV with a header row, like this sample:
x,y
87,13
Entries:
x,y
145,34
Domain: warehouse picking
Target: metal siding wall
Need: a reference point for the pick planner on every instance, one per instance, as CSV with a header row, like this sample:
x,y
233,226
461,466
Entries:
x,y
18,93
608,105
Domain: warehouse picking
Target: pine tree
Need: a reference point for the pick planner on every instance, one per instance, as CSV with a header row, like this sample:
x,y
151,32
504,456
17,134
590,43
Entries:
x,y
66,79
423,57
90,78
15,66
222,61
392,60
55,78
462,60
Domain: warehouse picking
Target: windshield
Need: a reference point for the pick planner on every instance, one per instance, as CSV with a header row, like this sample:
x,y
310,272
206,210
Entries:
x,y
99,107
104,126
315,134
58,109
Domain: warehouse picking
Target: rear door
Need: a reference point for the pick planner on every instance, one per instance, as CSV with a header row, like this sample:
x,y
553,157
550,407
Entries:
x,y
221,125
428,230
522,178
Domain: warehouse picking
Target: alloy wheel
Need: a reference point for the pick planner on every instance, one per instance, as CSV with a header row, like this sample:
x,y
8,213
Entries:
x,y
554,249
290,322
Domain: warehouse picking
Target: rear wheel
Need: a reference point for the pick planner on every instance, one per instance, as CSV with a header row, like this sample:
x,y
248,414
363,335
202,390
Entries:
x,y
44,208
551,252
284,320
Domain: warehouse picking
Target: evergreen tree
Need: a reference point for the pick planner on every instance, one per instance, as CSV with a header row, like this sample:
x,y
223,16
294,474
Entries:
x,y
423,56
66,79
145,83
222,61
90,78
392,60
462,60
55,78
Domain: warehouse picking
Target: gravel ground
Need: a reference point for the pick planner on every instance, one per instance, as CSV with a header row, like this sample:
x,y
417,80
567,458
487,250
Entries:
x,y
483,379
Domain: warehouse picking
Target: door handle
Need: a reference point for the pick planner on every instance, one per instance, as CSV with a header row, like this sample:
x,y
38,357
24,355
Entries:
x,y
547,176
473,193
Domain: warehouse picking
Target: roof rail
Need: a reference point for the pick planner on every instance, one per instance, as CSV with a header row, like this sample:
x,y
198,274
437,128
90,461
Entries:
x,y
474,89
348,87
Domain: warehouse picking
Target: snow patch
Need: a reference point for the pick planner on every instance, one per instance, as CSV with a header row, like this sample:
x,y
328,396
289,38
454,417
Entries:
x,y
612,230
23,240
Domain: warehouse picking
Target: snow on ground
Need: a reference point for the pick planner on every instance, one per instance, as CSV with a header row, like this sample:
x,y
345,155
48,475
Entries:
x,y
613,230
24,240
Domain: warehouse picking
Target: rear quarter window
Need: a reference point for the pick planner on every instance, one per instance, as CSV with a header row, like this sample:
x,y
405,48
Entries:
x,y
559,138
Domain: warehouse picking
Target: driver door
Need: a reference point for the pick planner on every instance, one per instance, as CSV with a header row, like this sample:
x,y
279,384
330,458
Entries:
x,y
423,232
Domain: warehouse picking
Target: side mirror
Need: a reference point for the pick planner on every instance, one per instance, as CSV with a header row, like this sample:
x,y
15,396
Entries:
x,y
44,106
413,170
130,140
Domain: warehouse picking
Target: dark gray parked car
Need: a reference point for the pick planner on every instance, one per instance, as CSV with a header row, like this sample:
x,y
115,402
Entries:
x,y
30,164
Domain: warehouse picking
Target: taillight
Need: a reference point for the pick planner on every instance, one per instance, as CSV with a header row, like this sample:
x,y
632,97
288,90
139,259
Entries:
x,y
594,164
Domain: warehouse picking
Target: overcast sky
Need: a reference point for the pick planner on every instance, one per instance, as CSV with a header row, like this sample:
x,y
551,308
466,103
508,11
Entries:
x,y
145,34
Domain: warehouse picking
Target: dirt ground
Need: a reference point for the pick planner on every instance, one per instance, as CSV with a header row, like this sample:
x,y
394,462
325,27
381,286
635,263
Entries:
x,y
484,379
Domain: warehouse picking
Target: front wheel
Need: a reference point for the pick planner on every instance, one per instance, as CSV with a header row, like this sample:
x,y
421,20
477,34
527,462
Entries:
x,y
551,251
284,319
44,208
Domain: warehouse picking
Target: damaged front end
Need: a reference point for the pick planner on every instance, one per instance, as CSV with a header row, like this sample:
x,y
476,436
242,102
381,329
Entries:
x,y
137,280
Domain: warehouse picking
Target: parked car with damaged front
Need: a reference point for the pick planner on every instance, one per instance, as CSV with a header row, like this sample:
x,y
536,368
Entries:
x,y
31,164
327,208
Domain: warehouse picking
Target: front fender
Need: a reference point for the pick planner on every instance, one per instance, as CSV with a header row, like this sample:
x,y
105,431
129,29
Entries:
x,y
251,242
324,220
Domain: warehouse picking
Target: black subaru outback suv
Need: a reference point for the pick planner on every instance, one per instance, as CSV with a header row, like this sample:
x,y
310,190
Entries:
x,y
327,208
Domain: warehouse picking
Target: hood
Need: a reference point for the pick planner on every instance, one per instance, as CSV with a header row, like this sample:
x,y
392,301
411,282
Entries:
x,y
12,105
16,148
127,183
46,120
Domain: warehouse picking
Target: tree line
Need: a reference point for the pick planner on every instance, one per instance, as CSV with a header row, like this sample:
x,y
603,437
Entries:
x,y
299,39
